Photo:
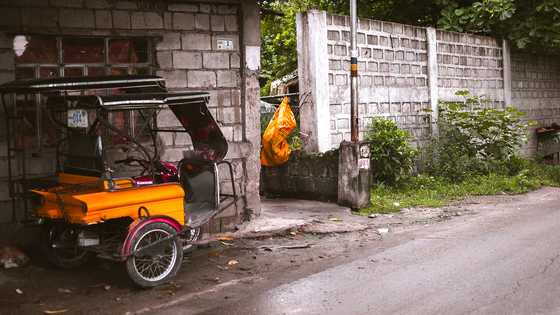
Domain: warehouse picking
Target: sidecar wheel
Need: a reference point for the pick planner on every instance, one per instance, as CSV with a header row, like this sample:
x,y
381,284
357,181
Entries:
x,y
59,243
157,264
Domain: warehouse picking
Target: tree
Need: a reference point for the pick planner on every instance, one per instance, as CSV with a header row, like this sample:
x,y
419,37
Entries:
x,y
531,25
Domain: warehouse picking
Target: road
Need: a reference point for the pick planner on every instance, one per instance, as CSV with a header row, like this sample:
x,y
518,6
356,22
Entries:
x,y
505,260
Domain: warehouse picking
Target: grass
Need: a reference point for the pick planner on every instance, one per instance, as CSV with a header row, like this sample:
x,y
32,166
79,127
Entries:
x,y
431,191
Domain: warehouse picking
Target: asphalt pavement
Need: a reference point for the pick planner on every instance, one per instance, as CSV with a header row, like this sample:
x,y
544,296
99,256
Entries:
x,y
505,260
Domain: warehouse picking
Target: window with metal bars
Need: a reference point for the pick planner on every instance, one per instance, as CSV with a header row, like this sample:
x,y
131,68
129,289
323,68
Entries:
x,y
53,56
39,56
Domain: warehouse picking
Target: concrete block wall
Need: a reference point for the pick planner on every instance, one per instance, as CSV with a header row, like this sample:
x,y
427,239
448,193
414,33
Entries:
x,y
186,53
535,86
404,71
467,61
393,76
305,176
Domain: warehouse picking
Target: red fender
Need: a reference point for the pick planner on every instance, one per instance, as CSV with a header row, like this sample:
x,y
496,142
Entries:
x,y
138,224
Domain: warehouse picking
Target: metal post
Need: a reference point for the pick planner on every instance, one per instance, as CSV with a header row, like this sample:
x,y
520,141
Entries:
x,y
353,74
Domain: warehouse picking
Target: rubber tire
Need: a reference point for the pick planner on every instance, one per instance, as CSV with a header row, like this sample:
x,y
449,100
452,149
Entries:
x,y
131,270
51,255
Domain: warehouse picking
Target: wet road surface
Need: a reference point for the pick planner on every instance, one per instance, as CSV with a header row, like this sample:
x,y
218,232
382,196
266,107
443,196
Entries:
x,y
505,261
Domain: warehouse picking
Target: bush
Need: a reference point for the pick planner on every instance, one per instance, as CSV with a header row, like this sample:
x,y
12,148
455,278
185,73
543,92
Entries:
x,y
392,157
475,139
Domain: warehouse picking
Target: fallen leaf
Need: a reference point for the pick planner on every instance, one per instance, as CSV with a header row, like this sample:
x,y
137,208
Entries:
x,y
214,254
67,291
335,219
225,238
293,233
56,311
19,291
107,287
226,244
232,262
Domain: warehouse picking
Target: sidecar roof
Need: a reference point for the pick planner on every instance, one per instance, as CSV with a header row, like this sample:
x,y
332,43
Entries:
x,y
146,82
136,101
190,108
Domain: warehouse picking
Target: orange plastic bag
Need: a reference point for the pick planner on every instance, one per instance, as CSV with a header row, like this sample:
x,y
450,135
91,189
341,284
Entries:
x,y
275,149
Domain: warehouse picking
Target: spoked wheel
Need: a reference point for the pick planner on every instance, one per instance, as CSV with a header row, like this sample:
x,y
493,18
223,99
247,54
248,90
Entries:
x,y
156,259
59,243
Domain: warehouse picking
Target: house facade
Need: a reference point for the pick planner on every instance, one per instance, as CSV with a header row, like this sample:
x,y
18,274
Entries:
x,y
211,46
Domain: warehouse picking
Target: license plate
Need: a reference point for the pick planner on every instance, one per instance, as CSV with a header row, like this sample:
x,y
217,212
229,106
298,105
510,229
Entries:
x,y
77,118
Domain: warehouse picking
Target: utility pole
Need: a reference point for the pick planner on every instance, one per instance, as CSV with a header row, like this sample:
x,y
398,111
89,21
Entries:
x,y
353,73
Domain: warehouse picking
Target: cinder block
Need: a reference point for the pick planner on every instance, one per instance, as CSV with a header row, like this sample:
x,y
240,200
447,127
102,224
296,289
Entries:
x,y
183,7
126,5
230,115
174,78
217,23
187,60
201,79
222,98
166,118
334,64
372,66
170,41
202,22
183,21
6,60
6,76
121,19
10,17
195,41
361,38
227,9
215,60
66,3
173,154
167,20
77,18
232,24
228,78
228,132
97,4
146,20
182,139
206,8
164,59
4,191
236,97
333,35
234,61
6,41
103,19
40,17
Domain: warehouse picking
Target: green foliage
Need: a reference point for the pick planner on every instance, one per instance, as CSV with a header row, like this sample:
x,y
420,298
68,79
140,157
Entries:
x,y
528,24
429,191
278,37
392,157
481,16
474,138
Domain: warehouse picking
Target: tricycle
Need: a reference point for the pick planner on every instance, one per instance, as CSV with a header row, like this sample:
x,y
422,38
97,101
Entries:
x,y
112,197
